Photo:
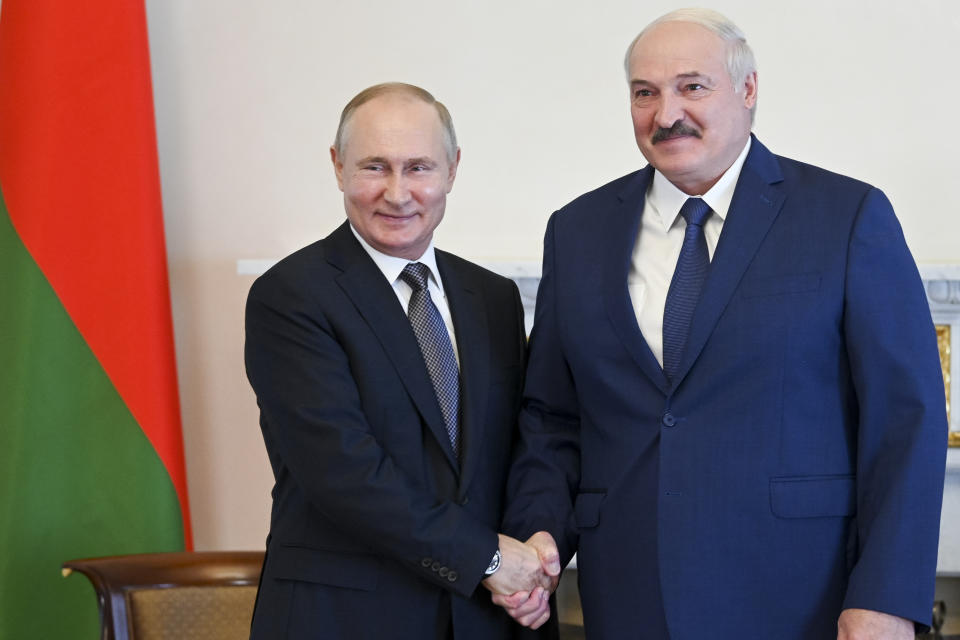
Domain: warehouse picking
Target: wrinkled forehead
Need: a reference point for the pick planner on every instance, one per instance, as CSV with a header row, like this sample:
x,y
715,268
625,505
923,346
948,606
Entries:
x,y
396,110
677,48
399,123
394,117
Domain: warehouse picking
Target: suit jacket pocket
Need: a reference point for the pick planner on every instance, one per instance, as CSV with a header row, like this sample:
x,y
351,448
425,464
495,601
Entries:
x,y
781,284
813,496
335,568
586,510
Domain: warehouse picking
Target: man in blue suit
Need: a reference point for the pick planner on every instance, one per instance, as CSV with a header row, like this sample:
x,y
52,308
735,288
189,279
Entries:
x,y
733,410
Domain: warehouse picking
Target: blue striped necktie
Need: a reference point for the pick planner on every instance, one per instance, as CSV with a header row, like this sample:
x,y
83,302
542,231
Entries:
x,y
685,286
437,350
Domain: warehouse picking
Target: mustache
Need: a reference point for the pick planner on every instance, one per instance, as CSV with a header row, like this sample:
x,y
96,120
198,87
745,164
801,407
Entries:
x,y
679,128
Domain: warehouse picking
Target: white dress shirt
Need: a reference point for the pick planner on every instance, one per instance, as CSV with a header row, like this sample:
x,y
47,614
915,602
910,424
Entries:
x,y
658,245
391,267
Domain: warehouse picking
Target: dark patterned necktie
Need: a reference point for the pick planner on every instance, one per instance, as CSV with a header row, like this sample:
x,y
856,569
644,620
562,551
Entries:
x,y
685,286
437,350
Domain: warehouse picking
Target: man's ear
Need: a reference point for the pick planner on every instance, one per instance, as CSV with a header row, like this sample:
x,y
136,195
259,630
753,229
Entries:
x,y
750,90
452,175
337,167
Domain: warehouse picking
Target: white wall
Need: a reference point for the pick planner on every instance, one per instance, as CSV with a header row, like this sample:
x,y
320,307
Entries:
x,y
248,95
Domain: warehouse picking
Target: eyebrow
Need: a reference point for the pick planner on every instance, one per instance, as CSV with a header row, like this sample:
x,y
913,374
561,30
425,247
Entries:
x,y
422,160
680,76
695,75
373,160
382,160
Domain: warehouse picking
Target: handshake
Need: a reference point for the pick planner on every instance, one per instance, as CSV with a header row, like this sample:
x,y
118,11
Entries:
x,y
529,572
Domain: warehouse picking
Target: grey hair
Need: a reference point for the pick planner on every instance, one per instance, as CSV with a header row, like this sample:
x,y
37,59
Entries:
x,y
740,60
401,88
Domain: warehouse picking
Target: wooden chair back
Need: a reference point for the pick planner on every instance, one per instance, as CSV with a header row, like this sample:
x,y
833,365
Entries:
x,y
174,596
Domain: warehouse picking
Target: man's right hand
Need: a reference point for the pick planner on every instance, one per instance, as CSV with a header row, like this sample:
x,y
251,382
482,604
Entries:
x,y
531,607
520,568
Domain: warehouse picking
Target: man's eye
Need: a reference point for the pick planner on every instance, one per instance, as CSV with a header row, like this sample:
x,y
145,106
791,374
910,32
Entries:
x,y
373,167
642,93
694,86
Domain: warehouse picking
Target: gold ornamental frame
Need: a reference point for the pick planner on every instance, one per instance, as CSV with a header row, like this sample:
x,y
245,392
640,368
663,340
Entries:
x,y
943,345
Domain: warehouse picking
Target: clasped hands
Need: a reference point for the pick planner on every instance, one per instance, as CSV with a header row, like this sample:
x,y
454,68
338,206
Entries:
x,y
529,572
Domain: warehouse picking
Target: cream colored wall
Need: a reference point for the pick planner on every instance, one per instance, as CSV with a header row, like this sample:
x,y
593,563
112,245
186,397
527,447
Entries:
x,y
248,94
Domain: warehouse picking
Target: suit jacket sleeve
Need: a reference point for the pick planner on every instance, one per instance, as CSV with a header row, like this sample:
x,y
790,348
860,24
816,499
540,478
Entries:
x,y
901,439
313,419
546,468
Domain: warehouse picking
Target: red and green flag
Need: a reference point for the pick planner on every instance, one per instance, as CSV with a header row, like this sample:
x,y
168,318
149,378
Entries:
x,y
91,453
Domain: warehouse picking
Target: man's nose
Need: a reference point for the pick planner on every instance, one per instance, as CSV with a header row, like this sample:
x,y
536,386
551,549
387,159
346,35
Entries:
x,y
669,112
397,192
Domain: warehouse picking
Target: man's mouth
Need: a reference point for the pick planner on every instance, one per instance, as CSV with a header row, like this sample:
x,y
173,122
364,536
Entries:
x,y
396,216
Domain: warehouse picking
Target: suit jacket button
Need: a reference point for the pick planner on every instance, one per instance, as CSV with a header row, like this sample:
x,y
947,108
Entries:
x,y
444,572
452,576
426,562
435,566
464,501
669,420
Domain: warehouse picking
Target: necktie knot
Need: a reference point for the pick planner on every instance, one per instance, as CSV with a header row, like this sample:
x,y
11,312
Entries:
x,y
415,274
695,211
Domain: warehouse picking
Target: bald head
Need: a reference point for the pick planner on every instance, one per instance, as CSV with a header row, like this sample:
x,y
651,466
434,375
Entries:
x,y
400,90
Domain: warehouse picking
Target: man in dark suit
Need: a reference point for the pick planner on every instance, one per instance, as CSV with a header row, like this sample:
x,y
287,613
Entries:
x,y
388,376
733,411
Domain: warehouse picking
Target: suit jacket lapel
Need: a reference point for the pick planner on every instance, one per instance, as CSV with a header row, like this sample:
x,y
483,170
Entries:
x,y
376,301
755,205
618,246
473,339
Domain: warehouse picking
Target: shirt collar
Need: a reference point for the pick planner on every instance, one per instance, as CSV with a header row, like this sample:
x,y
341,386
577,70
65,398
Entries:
x,y
666,199
392,266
